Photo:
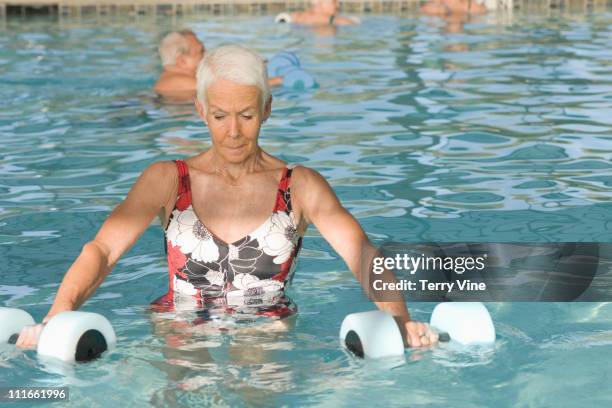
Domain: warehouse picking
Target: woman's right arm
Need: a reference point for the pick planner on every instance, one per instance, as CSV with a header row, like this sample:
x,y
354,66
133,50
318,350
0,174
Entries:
x,y
152,194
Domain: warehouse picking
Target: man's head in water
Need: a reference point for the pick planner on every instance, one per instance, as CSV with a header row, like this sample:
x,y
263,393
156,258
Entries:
x,y
182,50
327,7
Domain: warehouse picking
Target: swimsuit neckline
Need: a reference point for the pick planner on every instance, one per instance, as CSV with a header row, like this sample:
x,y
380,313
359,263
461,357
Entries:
x,y
224,242
215,236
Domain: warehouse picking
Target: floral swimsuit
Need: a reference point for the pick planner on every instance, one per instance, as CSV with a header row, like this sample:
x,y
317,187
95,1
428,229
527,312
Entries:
x,y
250,273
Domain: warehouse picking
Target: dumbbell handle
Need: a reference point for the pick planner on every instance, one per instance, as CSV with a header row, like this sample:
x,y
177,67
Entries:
x,y
15,336
443,337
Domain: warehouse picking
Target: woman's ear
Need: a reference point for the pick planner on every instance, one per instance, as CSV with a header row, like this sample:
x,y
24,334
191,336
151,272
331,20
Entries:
x,y
201,109
267,109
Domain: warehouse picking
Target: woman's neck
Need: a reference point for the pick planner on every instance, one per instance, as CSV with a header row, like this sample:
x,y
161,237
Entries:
x,y
232,173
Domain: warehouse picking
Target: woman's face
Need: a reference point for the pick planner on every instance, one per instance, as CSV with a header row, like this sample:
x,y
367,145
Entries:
x,y
234,117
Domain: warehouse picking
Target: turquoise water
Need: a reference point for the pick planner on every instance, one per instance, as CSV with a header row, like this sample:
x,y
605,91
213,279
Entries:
x,y
499,132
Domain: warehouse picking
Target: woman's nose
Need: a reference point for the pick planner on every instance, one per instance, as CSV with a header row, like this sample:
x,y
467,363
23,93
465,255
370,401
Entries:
x,y
234,129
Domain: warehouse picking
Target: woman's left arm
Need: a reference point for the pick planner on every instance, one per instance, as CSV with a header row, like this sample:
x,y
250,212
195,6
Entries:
x,y
320,206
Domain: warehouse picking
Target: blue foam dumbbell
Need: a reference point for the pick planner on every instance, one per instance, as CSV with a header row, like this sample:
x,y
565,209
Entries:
x,y
292,56
280,61
297,78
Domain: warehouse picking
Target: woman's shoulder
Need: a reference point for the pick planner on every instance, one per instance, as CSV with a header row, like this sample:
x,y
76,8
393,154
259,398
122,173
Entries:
x,y
302,169
156,185
163,169
303,176
160,175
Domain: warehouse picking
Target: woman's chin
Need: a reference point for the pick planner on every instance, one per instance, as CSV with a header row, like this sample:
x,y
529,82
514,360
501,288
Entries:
x,y
235,156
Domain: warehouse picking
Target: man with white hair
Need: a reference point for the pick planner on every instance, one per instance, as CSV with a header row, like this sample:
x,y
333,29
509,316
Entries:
x,y
180,52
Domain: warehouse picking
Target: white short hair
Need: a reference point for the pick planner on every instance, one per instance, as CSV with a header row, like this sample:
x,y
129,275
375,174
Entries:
x,y
173,45
236,64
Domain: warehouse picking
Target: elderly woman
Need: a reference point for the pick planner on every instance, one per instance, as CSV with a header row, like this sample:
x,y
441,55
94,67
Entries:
x,y
233,215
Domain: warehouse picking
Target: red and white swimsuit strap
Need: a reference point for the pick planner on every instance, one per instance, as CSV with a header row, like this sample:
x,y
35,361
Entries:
x,y
184,191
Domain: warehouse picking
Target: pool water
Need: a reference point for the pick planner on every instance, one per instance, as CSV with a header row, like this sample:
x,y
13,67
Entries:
x,y
498,129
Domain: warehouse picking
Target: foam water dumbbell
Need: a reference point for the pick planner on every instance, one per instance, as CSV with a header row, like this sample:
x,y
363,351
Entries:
x,y
11,323
467,323
375,334
68,336
283,18
287,65
372,334
297,78
282,60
